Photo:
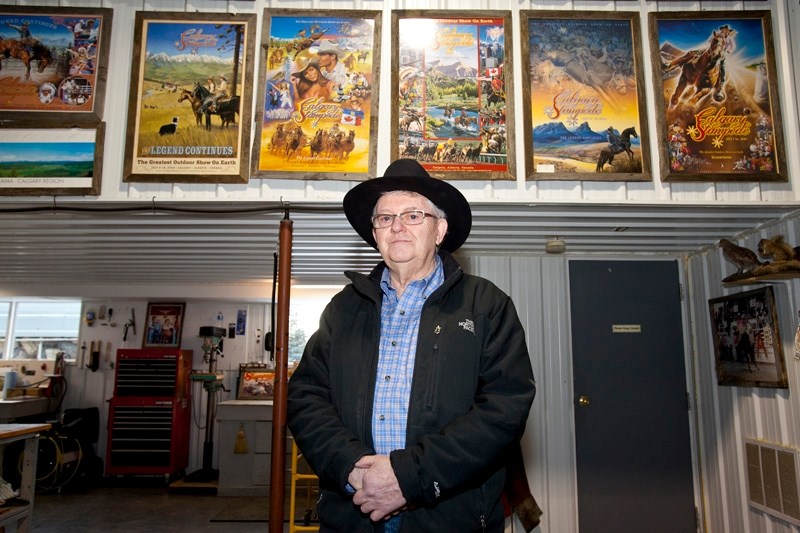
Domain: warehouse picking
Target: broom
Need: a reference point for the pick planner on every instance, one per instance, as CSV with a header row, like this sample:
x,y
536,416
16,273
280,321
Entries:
x,y
241,441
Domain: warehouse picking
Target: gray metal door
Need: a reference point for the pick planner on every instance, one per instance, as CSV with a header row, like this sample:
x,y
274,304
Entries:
x,y
631,420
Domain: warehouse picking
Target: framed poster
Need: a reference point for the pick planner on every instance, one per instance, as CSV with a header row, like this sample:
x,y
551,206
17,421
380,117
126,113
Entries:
x,y
190,102
255,382
717,99
54,65
317,114
164,325
583,96
452,93
747,343
51,161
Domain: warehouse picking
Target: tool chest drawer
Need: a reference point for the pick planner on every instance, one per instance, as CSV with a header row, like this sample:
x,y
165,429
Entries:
x,y
152,372
147,436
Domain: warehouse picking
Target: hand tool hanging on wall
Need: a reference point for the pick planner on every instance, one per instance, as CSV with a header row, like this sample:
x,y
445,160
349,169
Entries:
x,y
94,356
129,324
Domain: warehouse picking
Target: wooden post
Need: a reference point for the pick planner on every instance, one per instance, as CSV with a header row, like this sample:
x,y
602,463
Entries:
x,y
278,474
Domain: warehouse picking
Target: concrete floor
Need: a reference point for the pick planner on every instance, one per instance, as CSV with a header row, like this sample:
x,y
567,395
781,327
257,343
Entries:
x,y
133,510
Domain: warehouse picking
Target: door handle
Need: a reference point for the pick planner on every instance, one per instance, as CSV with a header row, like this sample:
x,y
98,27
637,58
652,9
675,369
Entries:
x,y
583,401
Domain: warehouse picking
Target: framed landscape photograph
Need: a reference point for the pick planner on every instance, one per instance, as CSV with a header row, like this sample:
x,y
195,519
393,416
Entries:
x,y
164,325
583,98
189,110
747,341
51,162
54,65
317,110
452,93
717,104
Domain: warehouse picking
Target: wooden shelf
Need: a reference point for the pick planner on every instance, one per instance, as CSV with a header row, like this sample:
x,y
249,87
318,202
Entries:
x,y
778,271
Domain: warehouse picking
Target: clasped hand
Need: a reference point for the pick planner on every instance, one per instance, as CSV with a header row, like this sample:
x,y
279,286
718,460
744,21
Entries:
x,y
378,493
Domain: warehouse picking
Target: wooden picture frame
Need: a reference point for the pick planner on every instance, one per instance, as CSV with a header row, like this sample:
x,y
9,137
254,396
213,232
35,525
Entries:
x,y
452,93
583,96
256,382
190,103
56,65
747,342
52,162
326,129
163,325
729,128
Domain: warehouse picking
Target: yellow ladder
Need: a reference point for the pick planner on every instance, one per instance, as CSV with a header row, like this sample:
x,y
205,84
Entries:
x,y
295,477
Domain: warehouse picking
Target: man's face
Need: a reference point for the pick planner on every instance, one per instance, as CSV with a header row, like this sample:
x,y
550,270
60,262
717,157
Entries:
x,y
326,60
399,244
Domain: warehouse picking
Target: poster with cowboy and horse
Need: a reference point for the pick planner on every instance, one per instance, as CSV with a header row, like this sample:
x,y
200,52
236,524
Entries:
x,y
191,98
317,105
452,93
53,64
717,96
584,100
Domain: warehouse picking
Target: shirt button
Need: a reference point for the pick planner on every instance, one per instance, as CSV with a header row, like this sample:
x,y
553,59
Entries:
x,y
387,377
382,417
394,343
402,312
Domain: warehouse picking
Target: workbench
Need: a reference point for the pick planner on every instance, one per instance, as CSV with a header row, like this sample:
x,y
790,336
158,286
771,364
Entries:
x,y
22,406
21,514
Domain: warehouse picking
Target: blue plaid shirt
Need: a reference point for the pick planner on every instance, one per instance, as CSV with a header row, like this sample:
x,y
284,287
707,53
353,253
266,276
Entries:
x,y
399,330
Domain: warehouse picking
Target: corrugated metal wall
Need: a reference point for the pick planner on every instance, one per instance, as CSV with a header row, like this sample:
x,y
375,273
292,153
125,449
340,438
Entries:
x,y
727,415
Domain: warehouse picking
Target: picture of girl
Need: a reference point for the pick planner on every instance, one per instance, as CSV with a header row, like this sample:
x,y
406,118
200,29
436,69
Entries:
x,y
310,83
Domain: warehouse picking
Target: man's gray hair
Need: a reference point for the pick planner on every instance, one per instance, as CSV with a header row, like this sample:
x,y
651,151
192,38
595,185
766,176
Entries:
x,y
434,209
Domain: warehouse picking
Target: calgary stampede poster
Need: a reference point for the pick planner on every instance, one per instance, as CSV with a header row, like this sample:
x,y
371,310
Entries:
x,y
453,97
718,100
317,95
190,98
585,98
51,61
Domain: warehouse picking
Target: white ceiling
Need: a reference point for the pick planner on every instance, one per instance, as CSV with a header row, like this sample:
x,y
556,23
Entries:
x,y
194,242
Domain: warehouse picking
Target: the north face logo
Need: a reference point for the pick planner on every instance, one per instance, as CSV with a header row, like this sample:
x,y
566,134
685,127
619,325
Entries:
x,y
468,325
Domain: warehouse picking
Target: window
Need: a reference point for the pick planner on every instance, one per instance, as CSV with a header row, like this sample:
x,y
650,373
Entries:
x,y
305,308
39,329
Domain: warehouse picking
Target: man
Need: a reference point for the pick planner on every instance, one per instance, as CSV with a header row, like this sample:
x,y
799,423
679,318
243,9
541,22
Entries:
x,y
329,55
418,381
614,140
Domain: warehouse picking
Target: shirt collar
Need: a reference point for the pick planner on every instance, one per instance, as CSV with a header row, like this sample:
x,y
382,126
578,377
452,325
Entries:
x,y
429,283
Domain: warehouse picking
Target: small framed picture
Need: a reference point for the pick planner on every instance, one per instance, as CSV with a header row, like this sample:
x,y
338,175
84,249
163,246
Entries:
x,y
256,382
747,343
51,161
164,325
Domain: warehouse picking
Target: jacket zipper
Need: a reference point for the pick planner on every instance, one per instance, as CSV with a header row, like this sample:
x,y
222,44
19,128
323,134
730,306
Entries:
x,y
435,363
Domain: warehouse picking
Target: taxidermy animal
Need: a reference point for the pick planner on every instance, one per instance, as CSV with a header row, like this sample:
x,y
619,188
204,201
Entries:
x,y
743,258
169,129
776,249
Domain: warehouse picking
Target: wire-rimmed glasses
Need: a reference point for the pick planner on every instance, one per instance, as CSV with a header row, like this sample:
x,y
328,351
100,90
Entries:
x,y
408,218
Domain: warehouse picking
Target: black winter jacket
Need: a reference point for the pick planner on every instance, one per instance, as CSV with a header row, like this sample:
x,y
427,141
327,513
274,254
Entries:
x,y
471,393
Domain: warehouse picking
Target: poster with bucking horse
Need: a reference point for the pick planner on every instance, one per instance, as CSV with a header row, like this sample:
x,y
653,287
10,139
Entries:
x,y
53,65
718,110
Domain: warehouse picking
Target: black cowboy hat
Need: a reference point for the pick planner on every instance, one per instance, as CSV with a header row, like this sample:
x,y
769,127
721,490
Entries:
x,y
408,175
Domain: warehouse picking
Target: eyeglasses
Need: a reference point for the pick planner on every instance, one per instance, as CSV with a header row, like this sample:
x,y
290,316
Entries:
x,y
408,218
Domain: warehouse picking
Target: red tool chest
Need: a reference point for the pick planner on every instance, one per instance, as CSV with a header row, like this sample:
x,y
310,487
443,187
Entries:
x,y
150,413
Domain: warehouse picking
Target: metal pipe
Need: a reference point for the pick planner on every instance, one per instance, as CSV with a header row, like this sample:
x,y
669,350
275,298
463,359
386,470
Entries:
x,y
278,474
